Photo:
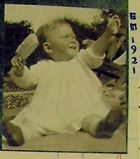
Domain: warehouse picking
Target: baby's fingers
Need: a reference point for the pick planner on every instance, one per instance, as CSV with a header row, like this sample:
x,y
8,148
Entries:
x,y
17,62
114,24
114,18
117,20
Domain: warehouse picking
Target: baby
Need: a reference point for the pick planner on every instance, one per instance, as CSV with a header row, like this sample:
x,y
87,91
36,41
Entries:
x,y
68,95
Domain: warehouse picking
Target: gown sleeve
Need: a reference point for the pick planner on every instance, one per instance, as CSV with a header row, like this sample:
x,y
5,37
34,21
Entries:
x,y
88,57
29,78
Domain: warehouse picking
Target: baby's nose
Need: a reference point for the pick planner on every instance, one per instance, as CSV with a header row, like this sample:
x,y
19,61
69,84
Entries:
x,y
73,39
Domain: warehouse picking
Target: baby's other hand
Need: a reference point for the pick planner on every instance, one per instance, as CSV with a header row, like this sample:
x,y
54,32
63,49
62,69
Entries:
x,y
19,65
114,23
17,62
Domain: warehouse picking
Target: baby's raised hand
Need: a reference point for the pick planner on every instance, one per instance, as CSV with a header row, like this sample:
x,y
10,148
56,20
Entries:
x,y
114,24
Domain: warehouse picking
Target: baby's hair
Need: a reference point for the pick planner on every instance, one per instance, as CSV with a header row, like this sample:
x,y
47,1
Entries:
x,y
45,29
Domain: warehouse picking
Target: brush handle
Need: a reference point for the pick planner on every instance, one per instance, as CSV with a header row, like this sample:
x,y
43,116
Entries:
x,y
27,46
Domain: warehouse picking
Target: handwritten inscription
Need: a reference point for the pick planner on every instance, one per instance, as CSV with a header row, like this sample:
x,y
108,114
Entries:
x,y
133,27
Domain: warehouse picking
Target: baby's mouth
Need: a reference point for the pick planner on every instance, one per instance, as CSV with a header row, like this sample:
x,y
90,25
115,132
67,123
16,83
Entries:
x,y
73,47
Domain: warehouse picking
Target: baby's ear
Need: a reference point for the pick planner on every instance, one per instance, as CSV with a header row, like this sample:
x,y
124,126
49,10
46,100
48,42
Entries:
x,y
47,48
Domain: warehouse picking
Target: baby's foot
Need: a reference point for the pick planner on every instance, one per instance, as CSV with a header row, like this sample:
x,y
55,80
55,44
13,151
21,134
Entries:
x,y
12,133
110,124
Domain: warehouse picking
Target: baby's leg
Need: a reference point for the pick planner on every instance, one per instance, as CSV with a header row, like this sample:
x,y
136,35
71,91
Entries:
x,y
16,136
103,128
12,133
90,123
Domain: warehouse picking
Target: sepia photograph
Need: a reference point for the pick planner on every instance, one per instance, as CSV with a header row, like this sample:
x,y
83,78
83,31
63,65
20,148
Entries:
x,y
64,79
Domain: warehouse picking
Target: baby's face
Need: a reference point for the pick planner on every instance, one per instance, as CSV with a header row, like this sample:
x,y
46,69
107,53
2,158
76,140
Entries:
x,y
63,43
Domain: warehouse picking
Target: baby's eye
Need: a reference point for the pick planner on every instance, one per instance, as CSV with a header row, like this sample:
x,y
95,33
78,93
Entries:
x,y
66,36
69,36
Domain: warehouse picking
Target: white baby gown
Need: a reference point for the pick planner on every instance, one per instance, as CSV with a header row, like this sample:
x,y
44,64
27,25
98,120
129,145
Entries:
x,y
66,93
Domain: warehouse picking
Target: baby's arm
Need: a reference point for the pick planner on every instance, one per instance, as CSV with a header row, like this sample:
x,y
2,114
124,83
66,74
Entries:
x,y
18,64
21,75
101,45
94,54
